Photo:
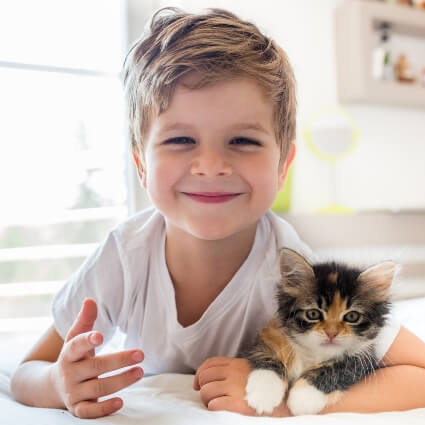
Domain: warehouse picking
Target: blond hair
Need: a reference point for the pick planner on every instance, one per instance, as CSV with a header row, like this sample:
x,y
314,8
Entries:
x,y
217,45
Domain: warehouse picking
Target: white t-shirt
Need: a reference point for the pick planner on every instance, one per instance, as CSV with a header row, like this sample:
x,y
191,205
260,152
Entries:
x,y
128,277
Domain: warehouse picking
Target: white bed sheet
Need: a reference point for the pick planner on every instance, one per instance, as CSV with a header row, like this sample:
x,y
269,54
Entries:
x,y
170,399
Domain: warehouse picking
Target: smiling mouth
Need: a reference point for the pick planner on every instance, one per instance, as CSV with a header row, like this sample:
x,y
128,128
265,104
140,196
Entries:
x,y
211,193
211,197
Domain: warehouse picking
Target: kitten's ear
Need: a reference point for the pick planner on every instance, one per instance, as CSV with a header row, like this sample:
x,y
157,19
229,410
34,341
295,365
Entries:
x,y
379,278
295,271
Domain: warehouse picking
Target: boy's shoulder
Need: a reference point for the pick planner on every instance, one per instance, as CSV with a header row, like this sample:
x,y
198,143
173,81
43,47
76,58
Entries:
x,y
139,229
287,237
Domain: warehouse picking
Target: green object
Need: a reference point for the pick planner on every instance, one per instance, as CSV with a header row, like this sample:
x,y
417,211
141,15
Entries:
x,y
282,203
336,209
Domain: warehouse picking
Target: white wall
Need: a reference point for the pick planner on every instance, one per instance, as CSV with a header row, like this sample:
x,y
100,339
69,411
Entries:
x,y
386,170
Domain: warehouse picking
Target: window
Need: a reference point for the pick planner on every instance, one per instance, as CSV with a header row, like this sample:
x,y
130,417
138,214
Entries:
x,y
63,148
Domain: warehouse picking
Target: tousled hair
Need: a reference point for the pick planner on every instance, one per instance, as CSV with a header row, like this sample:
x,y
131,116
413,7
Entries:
x,y
217,45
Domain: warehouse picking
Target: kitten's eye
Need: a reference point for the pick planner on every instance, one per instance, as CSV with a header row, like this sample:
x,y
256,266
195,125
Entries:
x,y
352,317
244,141
313,314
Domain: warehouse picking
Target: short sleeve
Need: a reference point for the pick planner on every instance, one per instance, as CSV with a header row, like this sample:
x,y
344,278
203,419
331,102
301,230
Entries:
x,y
100,277
386,337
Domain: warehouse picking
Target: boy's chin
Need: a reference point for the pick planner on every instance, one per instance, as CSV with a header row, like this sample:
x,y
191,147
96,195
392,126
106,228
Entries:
x,y
213,229
210,233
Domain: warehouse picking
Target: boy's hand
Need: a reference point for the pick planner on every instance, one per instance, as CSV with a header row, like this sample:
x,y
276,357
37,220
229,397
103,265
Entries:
x,y
222,382
75,374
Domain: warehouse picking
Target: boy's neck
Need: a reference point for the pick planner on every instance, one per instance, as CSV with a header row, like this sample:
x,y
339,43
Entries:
x,y
196,262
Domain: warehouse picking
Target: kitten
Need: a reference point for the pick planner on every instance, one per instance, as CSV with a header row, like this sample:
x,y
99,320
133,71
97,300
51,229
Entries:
x,y
321,340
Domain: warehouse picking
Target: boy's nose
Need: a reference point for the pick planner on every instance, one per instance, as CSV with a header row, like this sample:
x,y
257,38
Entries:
x,y
210,164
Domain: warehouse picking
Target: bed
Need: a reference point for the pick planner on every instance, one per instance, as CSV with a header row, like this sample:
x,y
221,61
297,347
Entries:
x,y
169,399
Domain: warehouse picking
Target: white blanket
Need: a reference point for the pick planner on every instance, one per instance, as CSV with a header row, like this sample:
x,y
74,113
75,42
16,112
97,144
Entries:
x,y
170,399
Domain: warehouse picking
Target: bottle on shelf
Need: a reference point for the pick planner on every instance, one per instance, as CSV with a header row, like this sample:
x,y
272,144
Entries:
x,y
382,68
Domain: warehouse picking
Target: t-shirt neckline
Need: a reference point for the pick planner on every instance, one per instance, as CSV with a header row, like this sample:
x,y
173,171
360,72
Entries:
x,y
232,292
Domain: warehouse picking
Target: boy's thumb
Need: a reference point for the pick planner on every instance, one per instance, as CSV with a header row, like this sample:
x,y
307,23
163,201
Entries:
x,y
85,319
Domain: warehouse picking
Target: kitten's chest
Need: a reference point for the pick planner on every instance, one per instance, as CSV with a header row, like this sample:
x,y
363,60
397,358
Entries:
x,y
295,360
298,366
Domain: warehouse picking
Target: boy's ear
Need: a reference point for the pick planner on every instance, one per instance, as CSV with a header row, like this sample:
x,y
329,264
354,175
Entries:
x,y
283,170
140,170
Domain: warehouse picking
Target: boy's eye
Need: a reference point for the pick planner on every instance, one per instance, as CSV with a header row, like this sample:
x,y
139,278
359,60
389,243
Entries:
x,y
244,141
179,141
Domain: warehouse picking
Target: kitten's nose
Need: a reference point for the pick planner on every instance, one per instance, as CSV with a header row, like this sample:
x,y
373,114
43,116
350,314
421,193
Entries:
x,y
331,333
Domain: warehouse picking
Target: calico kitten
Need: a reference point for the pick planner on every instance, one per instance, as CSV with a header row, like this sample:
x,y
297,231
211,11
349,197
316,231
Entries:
x,y
321,340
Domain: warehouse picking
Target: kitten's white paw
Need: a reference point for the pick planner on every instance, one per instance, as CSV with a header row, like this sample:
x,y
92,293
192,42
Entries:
x,y
264,390
305,399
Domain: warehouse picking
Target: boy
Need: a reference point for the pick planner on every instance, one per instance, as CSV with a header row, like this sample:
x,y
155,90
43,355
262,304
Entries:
x,y
211,103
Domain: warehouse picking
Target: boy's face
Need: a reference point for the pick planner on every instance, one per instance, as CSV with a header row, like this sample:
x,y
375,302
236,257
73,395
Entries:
x,y
212,160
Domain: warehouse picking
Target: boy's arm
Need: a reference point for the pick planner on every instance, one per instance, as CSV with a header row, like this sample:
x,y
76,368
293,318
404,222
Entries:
x,y
31,383
222,382
386,390
66,374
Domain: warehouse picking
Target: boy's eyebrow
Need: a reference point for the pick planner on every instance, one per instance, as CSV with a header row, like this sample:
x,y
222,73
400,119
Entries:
x,y
176,126
250,126
239,126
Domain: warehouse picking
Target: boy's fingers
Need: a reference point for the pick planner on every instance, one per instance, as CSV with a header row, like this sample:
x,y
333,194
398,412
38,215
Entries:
x,y
221,403
92,409
211,362
81,346
212,374
230,404
216,361
213,390
102,387
95,366
85,319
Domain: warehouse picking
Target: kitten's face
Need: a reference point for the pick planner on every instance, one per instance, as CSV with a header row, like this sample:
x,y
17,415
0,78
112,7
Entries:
x,y
332,308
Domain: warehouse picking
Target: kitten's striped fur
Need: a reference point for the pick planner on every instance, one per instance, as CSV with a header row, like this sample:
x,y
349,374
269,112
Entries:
x,y
321,340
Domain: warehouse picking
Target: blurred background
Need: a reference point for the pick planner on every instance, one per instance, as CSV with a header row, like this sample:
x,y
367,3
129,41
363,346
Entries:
x,y
356,190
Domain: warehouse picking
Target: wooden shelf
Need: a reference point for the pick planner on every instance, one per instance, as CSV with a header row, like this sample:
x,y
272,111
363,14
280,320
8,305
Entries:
x,y
356,24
